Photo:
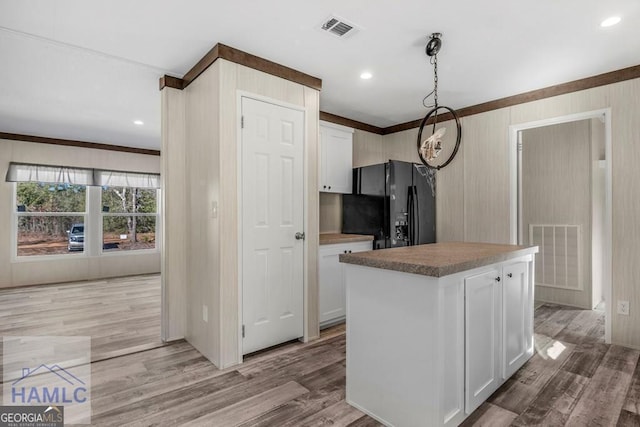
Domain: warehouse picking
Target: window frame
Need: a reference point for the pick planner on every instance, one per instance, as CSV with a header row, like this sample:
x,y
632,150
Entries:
x,y
156,215
15,218
93,233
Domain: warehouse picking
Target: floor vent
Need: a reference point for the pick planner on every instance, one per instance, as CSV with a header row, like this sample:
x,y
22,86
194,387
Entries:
x,y
557,264
338,27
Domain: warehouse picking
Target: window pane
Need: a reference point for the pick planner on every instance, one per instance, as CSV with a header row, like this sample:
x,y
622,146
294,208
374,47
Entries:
x,y
126,233
47,235
128,200
42,197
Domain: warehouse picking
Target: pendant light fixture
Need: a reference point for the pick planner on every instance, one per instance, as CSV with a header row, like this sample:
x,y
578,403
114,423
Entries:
x,y
431,129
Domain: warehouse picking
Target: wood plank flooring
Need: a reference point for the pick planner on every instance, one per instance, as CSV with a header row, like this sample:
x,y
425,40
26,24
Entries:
x,y
574,379
121,315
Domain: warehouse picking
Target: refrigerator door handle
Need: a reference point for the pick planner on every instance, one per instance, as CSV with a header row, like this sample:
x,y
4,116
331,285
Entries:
x,y
416,216
411,212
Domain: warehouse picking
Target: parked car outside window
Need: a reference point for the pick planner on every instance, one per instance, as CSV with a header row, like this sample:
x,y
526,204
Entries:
x,y
76,237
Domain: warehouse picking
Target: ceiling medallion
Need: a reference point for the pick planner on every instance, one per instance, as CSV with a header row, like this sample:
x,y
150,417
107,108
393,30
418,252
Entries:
x,y
429,149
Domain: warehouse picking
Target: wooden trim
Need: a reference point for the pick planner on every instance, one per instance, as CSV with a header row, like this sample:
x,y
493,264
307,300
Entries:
x,y
81,144
243,58
204,63
332,118
269,67
534,95
402,126
170,81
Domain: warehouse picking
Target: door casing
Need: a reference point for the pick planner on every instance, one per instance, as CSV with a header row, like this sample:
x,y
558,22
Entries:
x,y
515,208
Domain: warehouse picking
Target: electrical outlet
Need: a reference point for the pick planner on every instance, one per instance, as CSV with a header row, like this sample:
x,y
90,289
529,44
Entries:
x,y
623,307
205,313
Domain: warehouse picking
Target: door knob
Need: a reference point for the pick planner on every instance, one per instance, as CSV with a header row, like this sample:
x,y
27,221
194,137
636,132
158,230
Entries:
x,y
498,279
509,275
300,236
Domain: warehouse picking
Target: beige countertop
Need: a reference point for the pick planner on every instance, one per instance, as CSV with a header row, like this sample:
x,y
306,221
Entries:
x,y
437,259
333,238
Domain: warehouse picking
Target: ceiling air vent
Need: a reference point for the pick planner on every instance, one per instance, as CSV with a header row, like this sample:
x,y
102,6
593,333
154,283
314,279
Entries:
x,y
338,27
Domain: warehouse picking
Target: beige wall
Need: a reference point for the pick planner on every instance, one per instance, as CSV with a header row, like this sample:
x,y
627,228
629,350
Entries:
x,y
477,183
211,174
38,271
330,213
174,256
556,189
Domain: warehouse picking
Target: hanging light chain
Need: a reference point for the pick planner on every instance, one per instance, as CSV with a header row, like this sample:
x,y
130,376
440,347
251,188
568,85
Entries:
x,y
435,80
434,61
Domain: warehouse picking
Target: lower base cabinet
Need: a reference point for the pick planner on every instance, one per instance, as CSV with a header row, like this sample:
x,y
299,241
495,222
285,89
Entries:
x,y
332,293
427,351
483,318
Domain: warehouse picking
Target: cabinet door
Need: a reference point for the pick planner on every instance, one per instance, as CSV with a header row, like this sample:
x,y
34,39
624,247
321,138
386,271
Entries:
x,y
483,321
332,297
518,317
336,160
332,292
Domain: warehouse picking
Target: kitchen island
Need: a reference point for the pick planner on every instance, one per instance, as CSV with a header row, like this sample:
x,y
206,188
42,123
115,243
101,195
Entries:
x,y
433,330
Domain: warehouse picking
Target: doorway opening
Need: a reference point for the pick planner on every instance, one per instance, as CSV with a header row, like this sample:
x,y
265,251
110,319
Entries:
x,y
560,191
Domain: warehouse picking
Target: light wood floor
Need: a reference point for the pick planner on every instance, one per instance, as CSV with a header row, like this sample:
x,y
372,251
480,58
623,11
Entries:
x,y
574,379
121,315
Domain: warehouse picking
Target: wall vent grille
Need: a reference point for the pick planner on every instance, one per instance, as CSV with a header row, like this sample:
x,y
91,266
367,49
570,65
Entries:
x,y
558,262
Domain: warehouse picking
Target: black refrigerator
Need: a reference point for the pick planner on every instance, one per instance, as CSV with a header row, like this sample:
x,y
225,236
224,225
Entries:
x,y
394,201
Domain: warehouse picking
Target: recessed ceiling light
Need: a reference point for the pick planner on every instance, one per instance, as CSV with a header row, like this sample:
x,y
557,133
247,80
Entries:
x,y
138,122
366,75
613,20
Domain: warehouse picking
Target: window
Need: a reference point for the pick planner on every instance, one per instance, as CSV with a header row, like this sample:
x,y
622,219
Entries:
x,y
61,210
49,217
129,217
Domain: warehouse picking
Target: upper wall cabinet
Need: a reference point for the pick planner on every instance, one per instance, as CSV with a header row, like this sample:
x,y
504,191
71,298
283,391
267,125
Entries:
x,y
336,158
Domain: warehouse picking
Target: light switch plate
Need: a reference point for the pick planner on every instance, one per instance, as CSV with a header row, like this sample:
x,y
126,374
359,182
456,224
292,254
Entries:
x,y
205,313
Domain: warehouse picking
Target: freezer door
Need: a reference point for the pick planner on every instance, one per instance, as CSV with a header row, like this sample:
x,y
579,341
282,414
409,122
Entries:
x,y
369,180
399,183
423,218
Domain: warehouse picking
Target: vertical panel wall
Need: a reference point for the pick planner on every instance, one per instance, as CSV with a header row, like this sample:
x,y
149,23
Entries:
x,y
625,116
203,181
175,216
486,177
485,183
211,203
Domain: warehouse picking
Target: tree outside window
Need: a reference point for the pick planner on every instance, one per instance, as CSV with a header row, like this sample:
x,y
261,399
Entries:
x,y
129,217
46,214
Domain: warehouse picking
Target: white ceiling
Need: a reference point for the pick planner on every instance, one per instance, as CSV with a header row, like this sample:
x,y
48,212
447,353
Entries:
x,y
85,69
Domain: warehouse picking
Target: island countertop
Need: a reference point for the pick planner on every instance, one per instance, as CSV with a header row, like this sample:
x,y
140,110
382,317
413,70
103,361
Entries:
x,y
438,259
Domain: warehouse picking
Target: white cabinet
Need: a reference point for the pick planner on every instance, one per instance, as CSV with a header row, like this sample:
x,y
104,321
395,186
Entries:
x,y
498,329
427,351
483,320
517,297
336,158
332,294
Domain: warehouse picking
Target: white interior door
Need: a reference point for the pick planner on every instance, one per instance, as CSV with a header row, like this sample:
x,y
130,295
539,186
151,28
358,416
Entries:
x,y
272,214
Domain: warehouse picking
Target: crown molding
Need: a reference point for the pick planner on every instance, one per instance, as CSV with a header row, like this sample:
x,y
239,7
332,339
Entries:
x,y
221,51
74,143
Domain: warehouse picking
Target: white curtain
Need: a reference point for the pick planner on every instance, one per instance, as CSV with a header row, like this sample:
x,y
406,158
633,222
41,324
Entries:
x,y
23,172
106,178
20,172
